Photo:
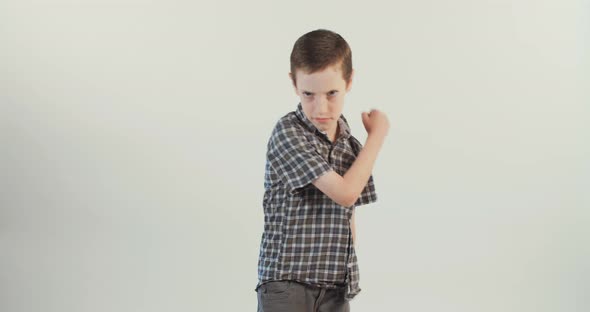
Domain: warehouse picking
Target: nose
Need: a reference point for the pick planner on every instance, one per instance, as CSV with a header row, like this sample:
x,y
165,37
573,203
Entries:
x,y
322,106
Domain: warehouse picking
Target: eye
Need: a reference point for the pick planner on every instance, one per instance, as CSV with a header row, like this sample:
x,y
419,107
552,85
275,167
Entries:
x,y
332,93
307,94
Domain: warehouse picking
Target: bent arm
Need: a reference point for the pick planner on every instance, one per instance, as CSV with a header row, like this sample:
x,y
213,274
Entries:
x,y
345,190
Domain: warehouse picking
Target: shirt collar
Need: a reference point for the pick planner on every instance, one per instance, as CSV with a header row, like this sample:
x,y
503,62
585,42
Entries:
x,y
342,123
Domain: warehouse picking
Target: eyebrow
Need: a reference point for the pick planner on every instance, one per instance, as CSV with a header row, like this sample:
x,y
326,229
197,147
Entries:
x,y
302,90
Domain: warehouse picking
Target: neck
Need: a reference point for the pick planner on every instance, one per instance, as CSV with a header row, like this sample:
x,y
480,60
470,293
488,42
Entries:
x,y
334,135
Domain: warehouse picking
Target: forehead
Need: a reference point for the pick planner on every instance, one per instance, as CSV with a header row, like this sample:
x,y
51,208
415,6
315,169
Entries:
x,y
328,78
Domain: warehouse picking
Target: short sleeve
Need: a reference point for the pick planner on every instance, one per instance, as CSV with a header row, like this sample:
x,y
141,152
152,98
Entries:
x,y
294,157
368,195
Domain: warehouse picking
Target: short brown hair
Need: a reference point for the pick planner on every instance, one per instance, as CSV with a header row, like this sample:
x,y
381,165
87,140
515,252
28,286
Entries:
x,y
319,49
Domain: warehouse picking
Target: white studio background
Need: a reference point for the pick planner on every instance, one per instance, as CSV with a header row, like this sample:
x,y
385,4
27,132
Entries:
x,y
133,136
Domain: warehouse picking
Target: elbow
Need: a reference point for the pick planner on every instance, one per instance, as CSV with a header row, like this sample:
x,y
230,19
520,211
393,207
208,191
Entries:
x,y
348,204
349,196
349,200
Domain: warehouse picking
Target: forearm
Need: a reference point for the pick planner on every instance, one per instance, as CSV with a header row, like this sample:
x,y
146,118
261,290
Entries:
x,y
345,190
357,176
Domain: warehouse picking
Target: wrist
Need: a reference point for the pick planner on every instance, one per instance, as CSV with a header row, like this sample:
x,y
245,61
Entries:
x,y
377,135
375,138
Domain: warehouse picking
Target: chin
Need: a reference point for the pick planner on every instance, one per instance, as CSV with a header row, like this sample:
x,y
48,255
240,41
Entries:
x,y
323,127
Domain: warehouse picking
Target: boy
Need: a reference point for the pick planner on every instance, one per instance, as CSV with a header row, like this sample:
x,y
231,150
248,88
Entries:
x,y
316,174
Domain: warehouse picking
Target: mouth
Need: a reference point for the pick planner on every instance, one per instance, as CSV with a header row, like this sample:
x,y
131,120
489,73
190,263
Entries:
x,y
322,119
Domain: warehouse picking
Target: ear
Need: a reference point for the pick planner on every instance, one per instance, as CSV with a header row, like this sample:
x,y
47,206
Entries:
x,y
349,84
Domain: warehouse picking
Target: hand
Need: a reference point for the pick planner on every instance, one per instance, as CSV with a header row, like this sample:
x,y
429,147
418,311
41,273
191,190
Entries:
x,y
375,122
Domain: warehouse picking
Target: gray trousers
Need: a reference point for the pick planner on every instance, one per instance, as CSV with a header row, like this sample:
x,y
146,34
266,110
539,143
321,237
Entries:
x,y
291,296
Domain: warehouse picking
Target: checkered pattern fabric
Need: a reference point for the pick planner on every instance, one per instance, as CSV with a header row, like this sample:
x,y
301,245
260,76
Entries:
x,y
307,236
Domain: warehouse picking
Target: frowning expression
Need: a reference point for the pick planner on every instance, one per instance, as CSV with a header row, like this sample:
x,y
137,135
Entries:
x,y
322,96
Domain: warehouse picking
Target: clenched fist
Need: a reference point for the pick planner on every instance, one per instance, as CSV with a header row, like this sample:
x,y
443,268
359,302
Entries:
x,y
375,122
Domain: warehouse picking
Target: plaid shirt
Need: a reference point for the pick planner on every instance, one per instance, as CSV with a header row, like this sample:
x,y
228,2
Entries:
x,y
307,236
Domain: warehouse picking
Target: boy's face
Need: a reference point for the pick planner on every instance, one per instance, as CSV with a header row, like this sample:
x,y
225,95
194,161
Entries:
x,y
322,96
